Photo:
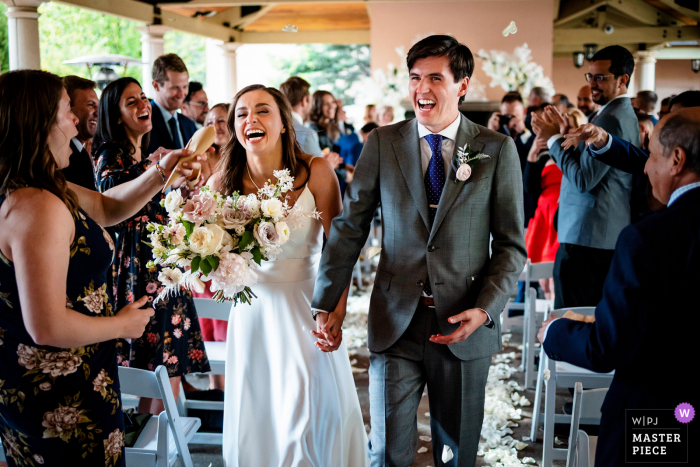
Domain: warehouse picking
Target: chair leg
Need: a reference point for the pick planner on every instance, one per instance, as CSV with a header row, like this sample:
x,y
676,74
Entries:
x,y
523,362
549,408
538,399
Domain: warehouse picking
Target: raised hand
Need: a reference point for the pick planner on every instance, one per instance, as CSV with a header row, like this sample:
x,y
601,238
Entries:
x,y
553,115
470,320
543,127
589,134
133,319
169,162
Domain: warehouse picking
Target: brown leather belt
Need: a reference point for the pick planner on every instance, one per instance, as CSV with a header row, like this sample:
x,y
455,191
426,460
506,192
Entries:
x,y
427,301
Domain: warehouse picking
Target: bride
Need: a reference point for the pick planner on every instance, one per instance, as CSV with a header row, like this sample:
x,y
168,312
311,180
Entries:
x,y
286,403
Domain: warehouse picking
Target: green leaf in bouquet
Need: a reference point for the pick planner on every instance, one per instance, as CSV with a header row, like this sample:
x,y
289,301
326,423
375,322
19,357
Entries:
x,y
195,264
146,243
189,227
246,239
213,261
205,267
257,255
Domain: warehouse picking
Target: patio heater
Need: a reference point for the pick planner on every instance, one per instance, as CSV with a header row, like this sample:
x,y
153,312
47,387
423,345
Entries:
x,y
105,62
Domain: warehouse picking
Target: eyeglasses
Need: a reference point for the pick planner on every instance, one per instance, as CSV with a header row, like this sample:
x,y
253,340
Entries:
x,y
598,78
200,104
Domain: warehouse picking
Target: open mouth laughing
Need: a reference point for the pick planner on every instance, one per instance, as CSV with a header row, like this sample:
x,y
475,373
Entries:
x,y
426,104
254,135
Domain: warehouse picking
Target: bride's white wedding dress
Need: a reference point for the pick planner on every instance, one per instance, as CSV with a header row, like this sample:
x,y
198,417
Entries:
x,y
288,404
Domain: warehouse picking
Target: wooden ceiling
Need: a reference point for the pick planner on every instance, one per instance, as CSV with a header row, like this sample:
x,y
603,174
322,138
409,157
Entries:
x,y
313,17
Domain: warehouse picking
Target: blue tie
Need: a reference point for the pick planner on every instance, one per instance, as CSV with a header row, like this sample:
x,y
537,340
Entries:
x,y
176,134
434,181
435,175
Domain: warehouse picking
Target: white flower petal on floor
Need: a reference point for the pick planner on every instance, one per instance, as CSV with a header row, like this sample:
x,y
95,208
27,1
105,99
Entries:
x,y
425,438
447,454
422,450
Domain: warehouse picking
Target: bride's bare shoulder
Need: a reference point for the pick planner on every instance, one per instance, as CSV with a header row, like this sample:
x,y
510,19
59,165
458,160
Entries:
x,y
214,181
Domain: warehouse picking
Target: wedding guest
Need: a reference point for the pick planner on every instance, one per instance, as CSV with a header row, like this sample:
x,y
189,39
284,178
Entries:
x,y
584,102
561,102
322,121
665,106
538,96
685,100
58,326
83,101
656,267
595,198
344,127
370,114
296,90
171,129
196,105
646,103
510,121
385,115
172,336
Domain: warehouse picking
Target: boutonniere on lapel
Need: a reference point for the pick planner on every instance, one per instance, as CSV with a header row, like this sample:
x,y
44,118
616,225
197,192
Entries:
x,y
464,160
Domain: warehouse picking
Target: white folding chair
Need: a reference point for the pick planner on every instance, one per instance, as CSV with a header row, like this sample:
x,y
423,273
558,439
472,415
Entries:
x,y
165,437
507,321
587,404
561,375
533,317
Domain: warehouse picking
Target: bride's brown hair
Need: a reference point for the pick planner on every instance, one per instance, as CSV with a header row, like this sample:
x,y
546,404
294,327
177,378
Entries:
x,y
233,155
29,102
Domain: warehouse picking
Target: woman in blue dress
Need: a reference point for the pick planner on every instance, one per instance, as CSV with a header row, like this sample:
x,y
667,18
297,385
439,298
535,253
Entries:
x,y
59,386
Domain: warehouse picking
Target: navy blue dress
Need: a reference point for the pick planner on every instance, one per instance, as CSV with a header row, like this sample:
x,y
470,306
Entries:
x,y
172,337
61,407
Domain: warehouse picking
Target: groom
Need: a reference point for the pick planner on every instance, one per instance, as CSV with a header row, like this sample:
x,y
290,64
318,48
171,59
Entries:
x,y
438,293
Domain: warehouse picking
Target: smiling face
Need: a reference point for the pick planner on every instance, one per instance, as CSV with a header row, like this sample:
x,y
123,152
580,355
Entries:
x,y
85,105
135,111
329,106
434,93
258,123
610,87
62,131
217,118
171,94
197,108
584,101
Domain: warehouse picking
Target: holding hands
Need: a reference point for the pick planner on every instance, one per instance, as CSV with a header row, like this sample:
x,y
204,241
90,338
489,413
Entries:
x,y
328,329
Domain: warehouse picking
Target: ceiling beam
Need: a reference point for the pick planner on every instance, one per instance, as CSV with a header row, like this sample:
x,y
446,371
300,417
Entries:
x,y
143,13
682,10
643,12
352,36
622,36
576,9
248,19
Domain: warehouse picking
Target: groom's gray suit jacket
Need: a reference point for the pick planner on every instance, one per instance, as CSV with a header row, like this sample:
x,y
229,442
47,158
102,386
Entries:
x,y
453,255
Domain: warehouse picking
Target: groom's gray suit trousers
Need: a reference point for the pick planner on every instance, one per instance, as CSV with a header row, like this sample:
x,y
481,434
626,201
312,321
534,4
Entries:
x,y
456,390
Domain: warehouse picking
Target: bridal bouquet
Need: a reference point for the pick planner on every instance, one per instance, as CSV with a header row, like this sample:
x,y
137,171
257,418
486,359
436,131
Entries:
x,y
215,238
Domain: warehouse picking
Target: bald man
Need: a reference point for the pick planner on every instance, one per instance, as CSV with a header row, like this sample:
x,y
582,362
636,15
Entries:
x,y
584,102
645,323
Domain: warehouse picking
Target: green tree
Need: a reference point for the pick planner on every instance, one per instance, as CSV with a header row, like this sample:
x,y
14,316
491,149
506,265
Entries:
x,y
67,32
191,49
332,68
4,46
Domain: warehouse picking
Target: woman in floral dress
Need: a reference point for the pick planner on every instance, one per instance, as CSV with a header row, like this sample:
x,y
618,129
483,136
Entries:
x,y
172,337
59,385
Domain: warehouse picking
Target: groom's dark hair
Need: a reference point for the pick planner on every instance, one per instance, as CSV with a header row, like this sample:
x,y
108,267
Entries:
x,y
461,58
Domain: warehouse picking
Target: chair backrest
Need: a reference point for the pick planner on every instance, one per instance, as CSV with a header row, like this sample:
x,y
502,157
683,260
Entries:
x,y
210,308
137,382
537,271
575,418
587,404
156,385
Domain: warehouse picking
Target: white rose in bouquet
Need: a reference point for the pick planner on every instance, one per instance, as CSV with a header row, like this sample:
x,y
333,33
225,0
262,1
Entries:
x,y
282,231
169,277
206,240
272,208
267,235
173,201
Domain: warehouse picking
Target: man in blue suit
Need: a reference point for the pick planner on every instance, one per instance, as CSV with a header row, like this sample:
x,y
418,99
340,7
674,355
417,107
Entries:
x,y
171,129
645,323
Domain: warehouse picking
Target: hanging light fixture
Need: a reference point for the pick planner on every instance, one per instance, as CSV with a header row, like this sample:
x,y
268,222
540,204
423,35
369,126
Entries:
x,y
590,50
695,64
578,59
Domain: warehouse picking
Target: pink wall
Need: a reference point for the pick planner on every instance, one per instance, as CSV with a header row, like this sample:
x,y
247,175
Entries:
x,y
477,24
672,77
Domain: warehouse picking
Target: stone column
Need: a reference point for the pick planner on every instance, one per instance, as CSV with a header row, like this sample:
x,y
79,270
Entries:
x,y
231,73
23,33
647,70
152,47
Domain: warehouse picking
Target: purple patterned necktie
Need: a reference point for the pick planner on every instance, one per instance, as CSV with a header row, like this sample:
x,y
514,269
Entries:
x,y
434,181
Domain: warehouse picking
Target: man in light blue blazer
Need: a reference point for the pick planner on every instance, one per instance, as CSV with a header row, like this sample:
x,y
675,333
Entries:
x,y
296,90
594,204
439,291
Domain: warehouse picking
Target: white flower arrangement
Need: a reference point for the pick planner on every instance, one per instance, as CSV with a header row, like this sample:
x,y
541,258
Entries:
x,y
514,72
217,238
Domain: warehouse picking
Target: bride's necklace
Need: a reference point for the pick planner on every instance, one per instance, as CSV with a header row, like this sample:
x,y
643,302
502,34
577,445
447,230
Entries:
x,y
253,181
